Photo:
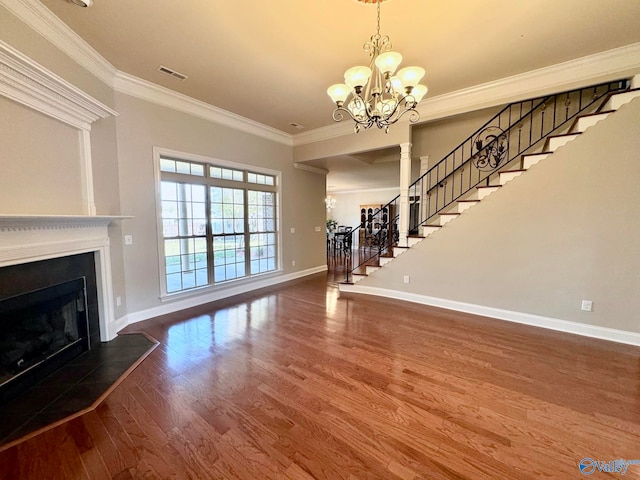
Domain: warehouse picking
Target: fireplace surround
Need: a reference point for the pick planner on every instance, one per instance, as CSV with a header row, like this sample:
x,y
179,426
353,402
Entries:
x,y
27,240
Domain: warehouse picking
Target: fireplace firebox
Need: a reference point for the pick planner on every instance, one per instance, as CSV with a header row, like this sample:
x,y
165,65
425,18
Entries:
x,y
48,316
40,331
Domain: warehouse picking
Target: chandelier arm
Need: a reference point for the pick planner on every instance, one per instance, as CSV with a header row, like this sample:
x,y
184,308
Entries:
x,y
338,116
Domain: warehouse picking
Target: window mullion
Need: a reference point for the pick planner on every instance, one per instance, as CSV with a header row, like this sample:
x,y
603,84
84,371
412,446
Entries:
x,y
247,234
209,236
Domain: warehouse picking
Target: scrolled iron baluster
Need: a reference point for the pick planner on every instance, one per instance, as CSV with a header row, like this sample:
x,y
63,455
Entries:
x,y
490,149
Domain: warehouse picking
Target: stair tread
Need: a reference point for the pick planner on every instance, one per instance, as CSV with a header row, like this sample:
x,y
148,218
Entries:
x,y
513,171
595,114
452,213
575,134
431,225
468,201
490,186
611,94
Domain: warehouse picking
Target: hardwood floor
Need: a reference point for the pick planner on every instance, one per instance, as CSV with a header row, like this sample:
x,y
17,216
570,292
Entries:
x,y
297,383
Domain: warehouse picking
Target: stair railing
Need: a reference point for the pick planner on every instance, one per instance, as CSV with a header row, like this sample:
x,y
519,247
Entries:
x,y
518,128
376,235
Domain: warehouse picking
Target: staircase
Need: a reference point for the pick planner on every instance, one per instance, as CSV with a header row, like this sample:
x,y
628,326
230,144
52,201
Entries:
x,y
542,149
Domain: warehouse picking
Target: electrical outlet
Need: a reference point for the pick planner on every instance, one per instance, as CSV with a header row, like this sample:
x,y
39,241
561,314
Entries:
x,y
318,229
293,263
128,239
406,279
293,230
118,301
587,305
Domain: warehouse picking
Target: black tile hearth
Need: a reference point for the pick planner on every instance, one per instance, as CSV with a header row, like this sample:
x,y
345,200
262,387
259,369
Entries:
x,y
73,388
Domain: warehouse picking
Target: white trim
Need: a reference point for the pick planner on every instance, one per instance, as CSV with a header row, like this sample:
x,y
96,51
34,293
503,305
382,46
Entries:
x,y
195,301
566,75
30,238
47,24
580,72
552,79
366,190
309,168
86,164
142,89
29,83
593,331
158,153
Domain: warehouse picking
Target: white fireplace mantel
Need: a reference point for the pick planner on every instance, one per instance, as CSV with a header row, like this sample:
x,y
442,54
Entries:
x,y
31,238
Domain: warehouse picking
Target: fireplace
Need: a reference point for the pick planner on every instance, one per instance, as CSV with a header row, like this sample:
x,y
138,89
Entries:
x,y
48,316
54,269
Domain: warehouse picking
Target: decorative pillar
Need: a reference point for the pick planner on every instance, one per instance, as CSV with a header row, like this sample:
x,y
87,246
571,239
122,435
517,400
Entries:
x,y
86,164
405,181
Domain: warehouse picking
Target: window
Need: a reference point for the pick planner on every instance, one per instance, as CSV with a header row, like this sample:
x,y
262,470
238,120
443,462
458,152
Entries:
x,y
219,223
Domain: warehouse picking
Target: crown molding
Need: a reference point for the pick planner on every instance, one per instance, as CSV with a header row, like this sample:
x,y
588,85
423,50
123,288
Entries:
x,y
142,89
364,190
28,83
309,168
43,21
603,66
566,75
608,65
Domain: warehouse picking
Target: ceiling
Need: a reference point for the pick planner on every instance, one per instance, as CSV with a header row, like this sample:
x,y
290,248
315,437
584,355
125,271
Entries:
x,y
272,61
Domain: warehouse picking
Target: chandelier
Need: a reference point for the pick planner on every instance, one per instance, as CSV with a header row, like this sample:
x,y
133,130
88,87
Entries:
x,y
330,202
373,95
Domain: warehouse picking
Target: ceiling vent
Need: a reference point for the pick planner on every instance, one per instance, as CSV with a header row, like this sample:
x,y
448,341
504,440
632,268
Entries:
x,y
173,73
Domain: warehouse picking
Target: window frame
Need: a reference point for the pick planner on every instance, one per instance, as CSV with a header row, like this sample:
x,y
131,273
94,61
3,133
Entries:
x,y
208,182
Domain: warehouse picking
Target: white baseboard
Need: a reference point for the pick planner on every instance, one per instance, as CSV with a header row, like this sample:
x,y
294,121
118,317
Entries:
x,y
208,297
593,331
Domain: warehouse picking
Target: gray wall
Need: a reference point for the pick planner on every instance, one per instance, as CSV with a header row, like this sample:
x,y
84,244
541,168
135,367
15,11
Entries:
x,y
439,137
565,231
141,126
41,170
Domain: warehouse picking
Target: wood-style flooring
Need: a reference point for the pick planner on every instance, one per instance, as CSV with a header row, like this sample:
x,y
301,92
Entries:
x,y
297,383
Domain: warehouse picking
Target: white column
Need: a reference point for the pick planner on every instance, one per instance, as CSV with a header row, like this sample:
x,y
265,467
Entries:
x,y
87,172
405,180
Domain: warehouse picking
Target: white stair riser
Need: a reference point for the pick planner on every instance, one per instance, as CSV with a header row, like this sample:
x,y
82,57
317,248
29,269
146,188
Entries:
x,y
411,241
482,193
369,269
384,260
355,278
464,206
616,101
554,143
426,231
530,160
444,219
589,121
507,176
398,251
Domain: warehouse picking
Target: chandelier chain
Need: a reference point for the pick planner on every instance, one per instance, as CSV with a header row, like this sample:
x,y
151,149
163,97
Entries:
x,y
372,95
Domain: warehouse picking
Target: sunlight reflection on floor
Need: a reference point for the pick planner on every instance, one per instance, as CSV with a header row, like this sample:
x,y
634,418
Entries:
x,y
194,340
